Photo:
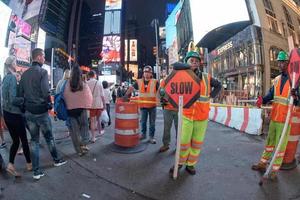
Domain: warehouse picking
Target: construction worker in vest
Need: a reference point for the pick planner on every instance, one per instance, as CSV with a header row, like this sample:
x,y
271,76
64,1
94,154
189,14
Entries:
x,y
170,114
280,93
147,87
195,118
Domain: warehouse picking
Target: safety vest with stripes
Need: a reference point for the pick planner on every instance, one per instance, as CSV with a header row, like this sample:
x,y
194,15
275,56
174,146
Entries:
x,y
147,97
199,111
281,100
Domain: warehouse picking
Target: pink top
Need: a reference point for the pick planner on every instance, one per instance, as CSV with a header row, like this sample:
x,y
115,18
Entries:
x,y
97,93
79,99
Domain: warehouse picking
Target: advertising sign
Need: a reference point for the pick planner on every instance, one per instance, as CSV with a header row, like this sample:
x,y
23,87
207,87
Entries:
x,y
41,39
126,50
4,16
133,50
22,49
182,83
26,9
113,4
111,49
173,52
19,26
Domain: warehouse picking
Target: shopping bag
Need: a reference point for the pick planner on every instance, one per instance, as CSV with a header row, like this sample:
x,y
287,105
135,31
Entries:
x,y
104,117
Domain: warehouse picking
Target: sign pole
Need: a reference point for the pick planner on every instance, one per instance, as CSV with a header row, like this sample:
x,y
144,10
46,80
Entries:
x,y
178,142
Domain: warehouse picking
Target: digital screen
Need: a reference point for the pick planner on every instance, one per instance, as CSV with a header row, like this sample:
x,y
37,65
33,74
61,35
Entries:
x,y
19,26
22,49
112,22
26,9
171,25
41,39
224,12
113,4
4,16
111,49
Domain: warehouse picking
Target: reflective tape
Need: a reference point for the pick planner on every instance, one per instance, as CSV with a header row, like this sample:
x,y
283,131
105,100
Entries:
x,y
127,116
294,138
127,132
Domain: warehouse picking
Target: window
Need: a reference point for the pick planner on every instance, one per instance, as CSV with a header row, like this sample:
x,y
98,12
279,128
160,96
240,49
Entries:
x,y
288,18
271,17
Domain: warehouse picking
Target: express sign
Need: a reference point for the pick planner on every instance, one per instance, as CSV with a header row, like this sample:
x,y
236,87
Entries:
x,y
185,83
294,66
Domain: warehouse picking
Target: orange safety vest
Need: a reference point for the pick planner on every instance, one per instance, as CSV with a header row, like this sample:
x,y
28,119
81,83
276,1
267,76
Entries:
x,y
281,101
147,98
168,106
199,111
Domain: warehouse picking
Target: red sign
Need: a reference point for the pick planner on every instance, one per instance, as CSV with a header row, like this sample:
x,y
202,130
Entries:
x,y
294,66
182,83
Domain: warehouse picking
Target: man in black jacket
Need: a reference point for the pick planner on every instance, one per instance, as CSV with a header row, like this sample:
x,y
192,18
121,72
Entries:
x,y
34,88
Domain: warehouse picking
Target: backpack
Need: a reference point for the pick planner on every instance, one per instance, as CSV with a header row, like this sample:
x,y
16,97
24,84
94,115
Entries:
x,y
60,105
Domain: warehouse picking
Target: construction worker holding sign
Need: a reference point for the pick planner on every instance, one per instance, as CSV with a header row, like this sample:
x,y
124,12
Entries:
x,y
147,87
195,118
280,93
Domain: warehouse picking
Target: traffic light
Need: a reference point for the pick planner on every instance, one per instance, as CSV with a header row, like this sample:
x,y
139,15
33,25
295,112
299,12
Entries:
x,y
155,51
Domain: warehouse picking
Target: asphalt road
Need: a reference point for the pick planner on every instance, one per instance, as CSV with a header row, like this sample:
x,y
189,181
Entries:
x,y
223,171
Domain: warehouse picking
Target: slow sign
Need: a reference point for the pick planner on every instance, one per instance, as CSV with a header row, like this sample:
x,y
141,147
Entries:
x,y
294,66
182,83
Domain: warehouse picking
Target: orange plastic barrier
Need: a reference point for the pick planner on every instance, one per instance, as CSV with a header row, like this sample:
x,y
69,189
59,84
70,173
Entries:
x,y
126,124
294,136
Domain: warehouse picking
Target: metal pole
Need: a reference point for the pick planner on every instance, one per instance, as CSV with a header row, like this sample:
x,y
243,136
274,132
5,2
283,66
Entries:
x,y
157,59
52,67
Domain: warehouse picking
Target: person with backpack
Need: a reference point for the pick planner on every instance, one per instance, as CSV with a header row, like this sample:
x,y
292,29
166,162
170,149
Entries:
x,y
78,98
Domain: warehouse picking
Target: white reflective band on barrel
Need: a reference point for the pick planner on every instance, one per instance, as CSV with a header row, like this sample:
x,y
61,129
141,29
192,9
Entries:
x,y
127,116
127,132
294,138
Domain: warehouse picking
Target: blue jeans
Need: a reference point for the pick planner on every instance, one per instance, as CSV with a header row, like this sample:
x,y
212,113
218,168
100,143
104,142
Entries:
x,y
152,117
37,123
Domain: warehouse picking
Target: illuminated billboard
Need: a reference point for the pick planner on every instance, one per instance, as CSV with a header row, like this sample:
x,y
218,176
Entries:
x,y
112,22
113,4
4,16
41,39
133,50
171,31
19,26
26,9
111,49
22,49
224,12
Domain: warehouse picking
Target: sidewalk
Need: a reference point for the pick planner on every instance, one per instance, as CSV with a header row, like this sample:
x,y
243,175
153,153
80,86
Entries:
x,y
223,171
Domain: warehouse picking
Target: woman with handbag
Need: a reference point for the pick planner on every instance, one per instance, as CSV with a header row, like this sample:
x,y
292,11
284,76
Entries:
x,y
98,104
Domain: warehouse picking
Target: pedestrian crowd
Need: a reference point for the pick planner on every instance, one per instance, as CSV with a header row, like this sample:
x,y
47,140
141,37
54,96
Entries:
x,y
26,101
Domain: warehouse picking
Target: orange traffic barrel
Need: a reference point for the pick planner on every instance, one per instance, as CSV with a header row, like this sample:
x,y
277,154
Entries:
x,y
289,161
126,124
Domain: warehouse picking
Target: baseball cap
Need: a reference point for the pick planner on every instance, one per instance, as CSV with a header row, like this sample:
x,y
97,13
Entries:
x,y
148,68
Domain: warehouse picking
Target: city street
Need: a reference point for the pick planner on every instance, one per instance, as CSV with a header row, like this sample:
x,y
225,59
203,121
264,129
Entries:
x,y
222,173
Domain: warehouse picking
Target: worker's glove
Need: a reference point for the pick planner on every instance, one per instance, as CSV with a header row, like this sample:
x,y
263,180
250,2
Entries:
x,y
294,93
163,102
125,98
259,101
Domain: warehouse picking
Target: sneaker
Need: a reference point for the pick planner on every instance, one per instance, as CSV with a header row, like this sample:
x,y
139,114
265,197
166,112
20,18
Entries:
x,y
3,145
142,137
191,170
152,141
164,148
261,167
102,132
38,175
60,162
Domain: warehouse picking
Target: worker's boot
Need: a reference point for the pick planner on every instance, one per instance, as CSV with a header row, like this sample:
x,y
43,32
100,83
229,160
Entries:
x,y
261,167
273,176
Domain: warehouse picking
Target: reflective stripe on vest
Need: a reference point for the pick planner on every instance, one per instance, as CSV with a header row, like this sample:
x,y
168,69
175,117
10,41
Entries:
x,y
147,97
204,98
